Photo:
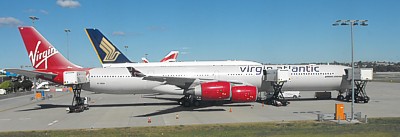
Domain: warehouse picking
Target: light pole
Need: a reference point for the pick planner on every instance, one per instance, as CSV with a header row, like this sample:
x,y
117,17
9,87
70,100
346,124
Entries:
x,y
351,23
67,31
126,48
33,18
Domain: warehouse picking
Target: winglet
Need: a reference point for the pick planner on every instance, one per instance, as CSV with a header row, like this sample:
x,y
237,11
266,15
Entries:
x,y
105,50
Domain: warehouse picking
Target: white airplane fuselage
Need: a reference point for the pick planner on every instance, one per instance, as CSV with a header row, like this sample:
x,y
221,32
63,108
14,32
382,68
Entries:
x,y
116,79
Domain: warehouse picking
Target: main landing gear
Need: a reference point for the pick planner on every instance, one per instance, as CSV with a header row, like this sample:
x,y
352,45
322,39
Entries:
x,y
277,98
189,100
360,94
79,104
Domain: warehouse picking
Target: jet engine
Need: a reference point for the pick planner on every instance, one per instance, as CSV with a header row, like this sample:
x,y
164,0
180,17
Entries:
x,y
223,90
244,93
214,90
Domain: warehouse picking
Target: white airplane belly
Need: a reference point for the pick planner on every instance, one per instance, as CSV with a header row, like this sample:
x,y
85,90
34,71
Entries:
x,y
130,85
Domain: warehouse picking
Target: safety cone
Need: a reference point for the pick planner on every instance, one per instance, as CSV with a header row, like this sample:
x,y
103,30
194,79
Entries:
x,y
149,120
230,109
177,116
262,104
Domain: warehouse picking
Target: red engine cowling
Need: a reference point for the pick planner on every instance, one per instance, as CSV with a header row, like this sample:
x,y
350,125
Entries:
x,y
244,93
215,90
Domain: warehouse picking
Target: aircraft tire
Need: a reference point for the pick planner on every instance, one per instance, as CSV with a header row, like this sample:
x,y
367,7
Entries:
x,y
340,97
196,103
186,103
366,99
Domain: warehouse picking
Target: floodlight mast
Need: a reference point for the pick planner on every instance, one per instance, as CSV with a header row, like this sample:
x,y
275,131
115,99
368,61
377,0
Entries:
x,y
351,23
67,31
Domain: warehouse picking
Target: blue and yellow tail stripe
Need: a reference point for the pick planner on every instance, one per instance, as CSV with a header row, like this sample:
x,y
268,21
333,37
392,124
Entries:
x,y
105,50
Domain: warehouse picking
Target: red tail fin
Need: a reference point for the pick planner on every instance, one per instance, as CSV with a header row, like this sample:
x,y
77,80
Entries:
x,y
41,53
144,60
171,57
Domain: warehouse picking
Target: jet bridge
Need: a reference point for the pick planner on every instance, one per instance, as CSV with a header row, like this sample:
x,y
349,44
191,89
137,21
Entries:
x,y
361,78
277,78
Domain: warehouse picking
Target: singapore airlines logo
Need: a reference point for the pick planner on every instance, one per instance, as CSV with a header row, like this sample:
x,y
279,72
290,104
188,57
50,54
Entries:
x,y
109,49
37,58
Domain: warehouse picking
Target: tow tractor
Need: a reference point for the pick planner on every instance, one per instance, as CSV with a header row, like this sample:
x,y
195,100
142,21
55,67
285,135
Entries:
x,y
75,79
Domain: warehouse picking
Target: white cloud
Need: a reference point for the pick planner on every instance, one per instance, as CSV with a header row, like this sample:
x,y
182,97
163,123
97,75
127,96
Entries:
x,y
132,34
118,33
30,10
136,34
68,3
35,11
185,48
43,11
9,21
184,53
157,28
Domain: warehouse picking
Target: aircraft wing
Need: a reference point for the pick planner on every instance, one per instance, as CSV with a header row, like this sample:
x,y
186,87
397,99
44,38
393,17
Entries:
x,y
182,82
31,74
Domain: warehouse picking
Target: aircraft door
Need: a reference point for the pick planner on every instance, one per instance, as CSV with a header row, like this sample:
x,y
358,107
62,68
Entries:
x,y
264,75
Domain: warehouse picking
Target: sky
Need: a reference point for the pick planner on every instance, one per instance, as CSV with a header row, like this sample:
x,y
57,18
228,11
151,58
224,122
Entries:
x,y
265,31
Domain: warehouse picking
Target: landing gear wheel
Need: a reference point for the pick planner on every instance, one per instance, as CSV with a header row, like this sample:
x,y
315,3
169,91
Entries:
x,y
189,100
357,99
74,87
348,98
366,99
70,109
196,103
186,103
81,108
340,97
285,103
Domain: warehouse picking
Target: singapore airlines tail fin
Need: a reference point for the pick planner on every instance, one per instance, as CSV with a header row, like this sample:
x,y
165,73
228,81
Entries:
x,y
106,51
171,57
41,53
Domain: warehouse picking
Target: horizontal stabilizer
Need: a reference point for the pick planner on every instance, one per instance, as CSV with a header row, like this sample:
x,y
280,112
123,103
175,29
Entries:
x,y
32,74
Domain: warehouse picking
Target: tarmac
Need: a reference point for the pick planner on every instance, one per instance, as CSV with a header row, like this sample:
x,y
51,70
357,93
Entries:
x,y
110,111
